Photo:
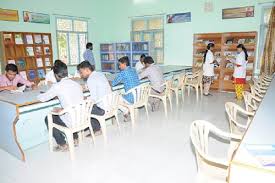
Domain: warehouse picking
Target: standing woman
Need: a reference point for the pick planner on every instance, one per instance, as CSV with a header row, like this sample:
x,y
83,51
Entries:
x,y
208,68
240,70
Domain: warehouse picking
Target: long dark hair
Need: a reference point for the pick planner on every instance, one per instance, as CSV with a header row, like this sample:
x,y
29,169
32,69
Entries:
x,y
244,50
210,45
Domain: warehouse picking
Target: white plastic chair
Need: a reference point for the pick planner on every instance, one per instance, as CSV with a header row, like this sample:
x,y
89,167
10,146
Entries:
x,y
256,92
210,168
195,81
178,85
140,95
163,96
234,111
111,102
251,102
80,119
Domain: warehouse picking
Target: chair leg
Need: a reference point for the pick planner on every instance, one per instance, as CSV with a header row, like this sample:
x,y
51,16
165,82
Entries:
x,y
92,133
103,128
182,94
177,96
170,101
117,121
70,140
50,121
165,107
146,109
132,113
188,90
201,88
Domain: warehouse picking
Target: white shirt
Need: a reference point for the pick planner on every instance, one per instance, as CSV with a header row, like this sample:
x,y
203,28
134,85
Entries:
x,y
208,68
139,66
98,86
50,77
240,72
69,93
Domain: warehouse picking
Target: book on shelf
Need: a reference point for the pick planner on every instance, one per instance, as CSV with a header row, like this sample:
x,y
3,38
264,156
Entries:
x,y
11,61
18,39
229,41
37,39
123,47
23,74
46,39
140,46
7,37
107,47
39,62
29,51
28,39
38,50
21,64
241,41
41,73
249,41
47,62
31,74
47,51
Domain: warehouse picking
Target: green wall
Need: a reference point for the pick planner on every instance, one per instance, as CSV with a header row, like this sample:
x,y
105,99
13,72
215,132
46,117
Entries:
x,y
110,21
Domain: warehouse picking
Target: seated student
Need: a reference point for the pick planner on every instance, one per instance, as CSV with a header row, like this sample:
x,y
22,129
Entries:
x,y
129,78
140,64
69,93
50,78
154,74
11,79
98,86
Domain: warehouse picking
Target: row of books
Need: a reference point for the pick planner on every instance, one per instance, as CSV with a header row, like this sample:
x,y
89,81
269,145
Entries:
x,y
21,63
234,53
27,39
32,74
107,57
107,47
123,47
140,47
38,51
240,41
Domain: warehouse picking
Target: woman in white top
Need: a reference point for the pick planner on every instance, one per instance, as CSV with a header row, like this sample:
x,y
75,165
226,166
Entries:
x,y
208,68
240,70
140,64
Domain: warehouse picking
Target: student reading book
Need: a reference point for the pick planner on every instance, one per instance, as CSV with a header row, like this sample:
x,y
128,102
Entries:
x,y
11,79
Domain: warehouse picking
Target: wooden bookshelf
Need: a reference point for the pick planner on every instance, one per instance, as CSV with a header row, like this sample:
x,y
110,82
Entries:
x,y
31,52
225,49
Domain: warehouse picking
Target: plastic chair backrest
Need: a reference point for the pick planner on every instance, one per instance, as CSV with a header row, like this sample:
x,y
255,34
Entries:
x,y
141,93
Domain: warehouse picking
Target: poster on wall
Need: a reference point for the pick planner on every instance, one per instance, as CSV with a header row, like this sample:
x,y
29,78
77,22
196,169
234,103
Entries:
x,y
178,18
9,15
240,12
36,17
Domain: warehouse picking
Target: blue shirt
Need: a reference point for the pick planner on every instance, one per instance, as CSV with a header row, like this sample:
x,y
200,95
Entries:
x,y
89,56
130,79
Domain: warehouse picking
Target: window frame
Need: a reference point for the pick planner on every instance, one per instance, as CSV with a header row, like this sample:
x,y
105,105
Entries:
x,y
150,31
69,63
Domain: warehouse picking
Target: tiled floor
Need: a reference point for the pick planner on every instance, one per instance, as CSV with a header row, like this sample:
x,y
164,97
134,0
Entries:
x,y
155,151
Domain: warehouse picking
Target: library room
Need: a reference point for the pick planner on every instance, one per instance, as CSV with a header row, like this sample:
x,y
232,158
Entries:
x,y
137,91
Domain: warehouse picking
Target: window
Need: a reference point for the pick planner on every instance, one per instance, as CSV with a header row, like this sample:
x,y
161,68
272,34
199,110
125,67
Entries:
x,y
72,36
266,11
151,30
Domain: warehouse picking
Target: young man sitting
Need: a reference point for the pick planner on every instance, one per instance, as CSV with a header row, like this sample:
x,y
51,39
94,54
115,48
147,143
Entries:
x,y
98,86
154,74
129,78
69,93
11,79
